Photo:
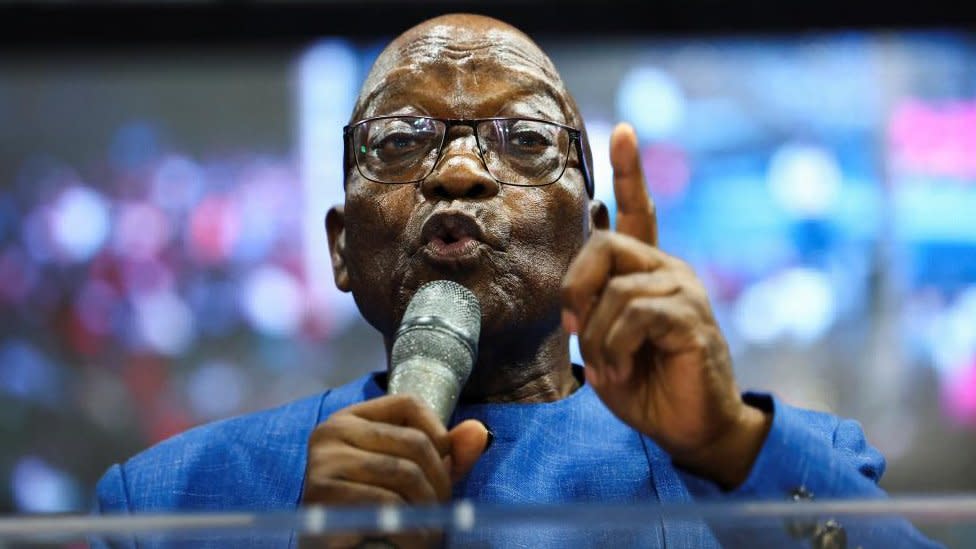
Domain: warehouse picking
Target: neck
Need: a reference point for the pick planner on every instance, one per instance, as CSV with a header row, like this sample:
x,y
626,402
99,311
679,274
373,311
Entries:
x,y
510,369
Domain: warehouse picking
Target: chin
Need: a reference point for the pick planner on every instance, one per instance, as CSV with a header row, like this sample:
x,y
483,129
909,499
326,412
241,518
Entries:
x,y
513,303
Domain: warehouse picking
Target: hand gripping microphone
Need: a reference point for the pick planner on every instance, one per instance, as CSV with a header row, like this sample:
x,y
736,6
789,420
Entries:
x,y
436,345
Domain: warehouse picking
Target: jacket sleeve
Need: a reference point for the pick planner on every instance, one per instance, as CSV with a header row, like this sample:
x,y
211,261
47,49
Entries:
x,y
810,455
111,497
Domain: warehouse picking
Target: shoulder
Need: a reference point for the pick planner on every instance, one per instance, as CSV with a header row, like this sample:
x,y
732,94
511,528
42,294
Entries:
x,y
253,461
207,466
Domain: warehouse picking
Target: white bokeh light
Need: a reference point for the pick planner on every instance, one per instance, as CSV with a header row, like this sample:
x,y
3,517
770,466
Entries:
x,y
273,301
40,488
804,179
652,101
165,322
79,223
799,304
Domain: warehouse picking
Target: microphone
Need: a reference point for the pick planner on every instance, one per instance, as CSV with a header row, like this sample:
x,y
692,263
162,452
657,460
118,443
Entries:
x,y
436,345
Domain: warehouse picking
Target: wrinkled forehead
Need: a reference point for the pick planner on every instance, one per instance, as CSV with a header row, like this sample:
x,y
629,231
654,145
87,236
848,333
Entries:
x,y
474,61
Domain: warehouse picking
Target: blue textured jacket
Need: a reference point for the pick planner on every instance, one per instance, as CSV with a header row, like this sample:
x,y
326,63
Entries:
x,y
569,451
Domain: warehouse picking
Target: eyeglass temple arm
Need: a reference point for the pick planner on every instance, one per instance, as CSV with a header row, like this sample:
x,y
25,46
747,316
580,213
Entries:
x,y
584,166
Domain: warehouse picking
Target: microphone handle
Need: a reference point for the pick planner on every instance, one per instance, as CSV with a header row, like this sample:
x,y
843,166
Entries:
x,y
429,379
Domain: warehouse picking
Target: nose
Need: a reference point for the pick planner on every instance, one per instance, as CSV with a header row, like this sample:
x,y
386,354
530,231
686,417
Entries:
x,y
460,173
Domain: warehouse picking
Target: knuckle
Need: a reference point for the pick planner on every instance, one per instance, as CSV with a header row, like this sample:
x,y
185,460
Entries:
x,y
417,444
323,433
319,456
339,421
401,471
327,488
411,405
321,474
332,428
406,405
700,307
639,310
413,475
619,287
701,341
321,490
318,434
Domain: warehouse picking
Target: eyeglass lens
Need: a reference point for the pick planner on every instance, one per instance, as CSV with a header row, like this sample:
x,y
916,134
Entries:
x,y
515,151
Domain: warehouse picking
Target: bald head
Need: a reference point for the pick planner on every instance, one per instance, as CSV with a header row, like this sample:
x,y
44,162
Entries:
x,y
464,43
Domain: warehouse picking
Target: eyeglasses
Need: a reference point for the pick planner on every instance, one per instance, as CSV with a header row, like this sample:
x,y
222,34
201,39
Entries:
x,y
524,152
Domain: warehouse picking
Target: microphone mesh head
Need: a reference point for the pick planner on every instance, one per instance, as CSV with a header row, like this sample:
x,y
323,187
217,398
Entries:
x,y
450,302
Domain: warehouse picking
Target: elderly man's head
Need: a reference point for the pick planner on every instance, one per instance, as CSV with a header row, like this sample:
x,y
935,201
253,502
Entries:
x,y
498,206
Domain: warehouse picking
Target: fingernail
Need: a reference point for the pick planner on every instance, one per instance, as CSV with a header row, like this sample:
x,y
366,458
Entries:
x,y
569,322
491,437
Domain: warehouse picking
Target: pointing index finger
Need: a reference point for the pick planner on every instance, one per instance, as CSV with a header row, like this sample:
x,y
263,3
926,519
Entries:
x,y
635,209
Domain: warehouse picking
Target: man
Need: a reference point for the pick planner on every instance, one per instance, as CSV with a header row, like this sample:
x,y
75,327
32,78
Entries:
x,y
466,160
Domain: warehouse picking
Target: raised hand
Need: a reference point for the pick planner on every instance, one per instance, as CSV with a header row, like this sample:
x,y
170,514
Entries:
x,y
652,348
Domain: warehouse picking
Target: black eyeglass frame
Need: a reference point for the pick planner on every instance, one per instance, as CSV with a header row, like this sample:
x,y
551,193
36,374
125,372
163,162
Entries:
x,y
575,135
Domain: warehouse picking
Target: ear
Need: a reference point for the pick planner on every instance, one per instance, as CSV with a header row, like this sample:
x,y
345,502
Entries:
x,y
335,229
599,217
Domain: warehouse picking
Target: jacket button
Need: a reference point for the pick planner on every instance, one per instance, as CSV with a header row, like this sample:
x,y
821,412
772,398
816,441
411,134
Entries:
x,y
830,535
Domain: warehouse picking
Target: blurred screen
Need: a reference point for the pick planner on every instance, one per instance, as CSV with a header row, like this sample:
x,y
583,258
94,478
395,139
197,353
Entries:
x,y
164,263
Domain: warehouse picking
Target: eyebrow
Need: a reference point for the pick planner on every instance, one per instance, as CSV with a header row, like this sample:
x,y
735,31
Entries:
x,y
557,94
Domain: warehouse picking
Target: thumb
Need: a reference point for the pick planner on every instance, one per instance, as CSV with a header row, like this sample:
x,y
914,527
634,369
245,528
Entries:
x,y
469,439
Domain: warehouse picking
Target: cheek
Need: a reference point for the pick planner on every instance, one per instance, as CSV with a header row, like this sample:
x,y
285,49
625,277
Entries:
x,y
377,217
549,232
366,252
375,229
553,225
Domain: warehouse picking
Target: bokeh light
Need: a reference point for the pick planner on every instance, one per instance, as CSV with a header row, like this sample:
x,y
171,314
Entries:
x,y
79,223
805,179
39,487
216,389
273,301
166,323
651,100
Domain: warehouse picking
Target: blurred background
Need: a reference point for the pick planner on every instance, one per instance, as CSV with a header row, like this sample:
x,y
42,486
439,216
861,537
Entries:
x,y
164,174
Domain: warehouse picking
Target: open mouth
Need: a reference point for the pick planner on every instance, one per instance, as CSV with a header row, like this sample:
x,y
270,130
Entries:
x,y
451,237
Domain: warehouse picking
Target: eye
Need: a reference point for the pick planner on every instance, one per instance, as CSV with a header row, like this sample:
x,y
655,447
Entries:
x,y
529,139
394,142
400,145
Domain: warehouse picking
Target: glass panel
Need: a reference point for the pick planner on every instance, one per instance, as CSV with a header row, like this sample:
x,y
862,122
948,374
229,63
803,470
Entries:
x,y
911,522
